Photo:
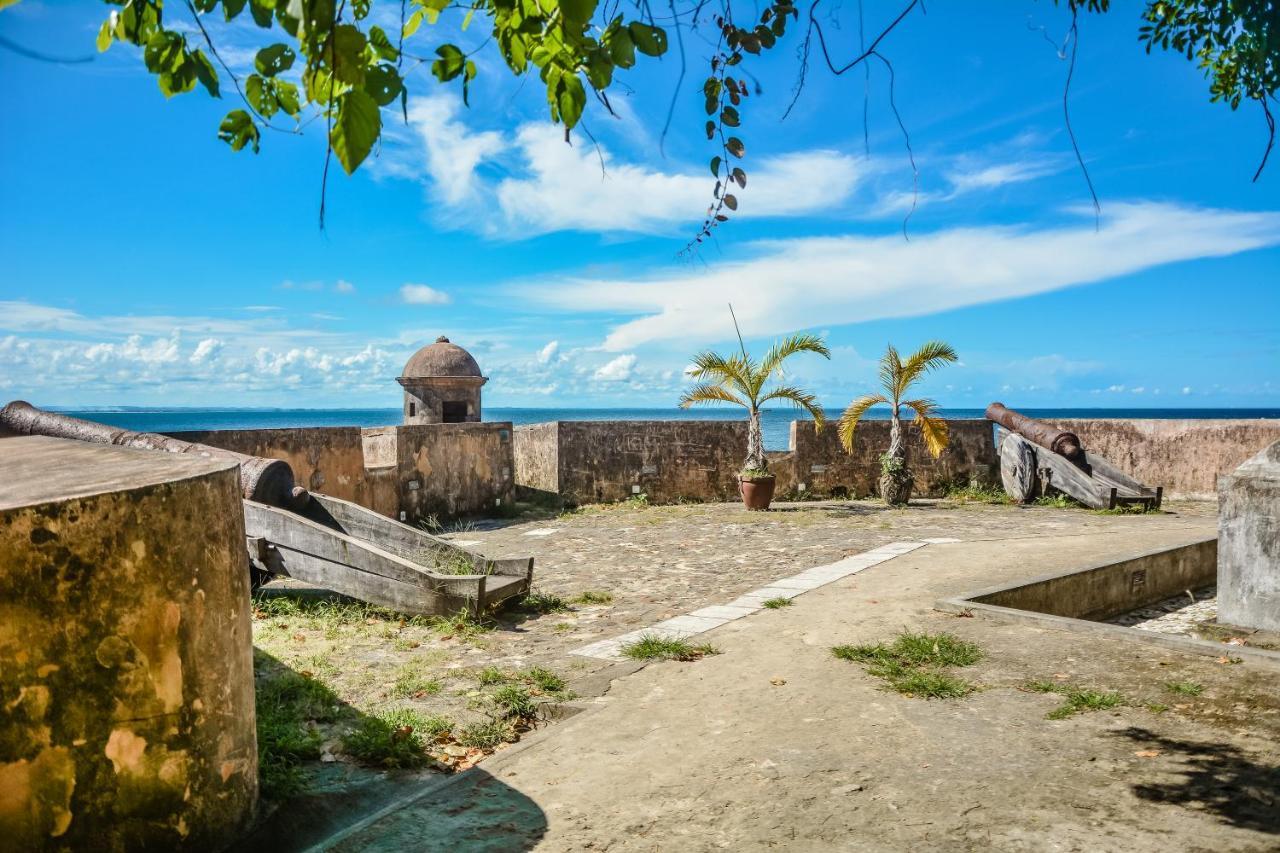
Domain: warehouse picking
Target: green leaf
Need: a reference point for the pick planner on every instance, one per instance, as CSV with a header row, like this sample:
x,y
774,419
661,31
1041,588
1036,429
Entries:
x,y
383,83
355,129
238,130
348,63
206,73
651,41
735,146
572,100
382,45
260,94
231,8
262,13
287,97
105,36
273,59
715,166
730,201
411,25
450,64
622,50
578,12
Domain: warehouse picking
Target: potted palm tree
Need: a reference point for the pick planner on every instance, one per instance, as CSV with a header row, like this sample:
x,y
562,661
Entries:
x,y
896,378
740,380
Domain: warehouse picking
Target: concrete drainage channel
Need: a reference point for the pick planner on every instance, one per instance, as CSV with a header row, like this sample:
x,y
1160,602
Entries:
x,y
1082,599
708,618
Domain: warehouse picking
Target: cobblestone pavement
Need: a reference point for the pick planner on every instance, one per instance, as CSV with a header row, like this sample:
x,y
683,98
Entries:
x,y
1179,614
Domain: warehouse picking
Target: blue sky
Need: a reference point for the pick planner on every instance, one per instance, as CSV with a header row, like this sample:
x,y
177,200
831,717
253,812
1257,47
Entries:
x,y
145,263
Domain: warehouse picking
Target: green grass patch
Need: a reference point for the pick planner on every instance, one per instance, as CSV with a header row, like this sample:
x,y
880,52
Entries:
x,y
464,625
973,492
651,647
545,680
514,702
492,675
396,738
777,603
485,735
1184,688
592,596
413,681
1058,501
913,664
288,706
542,602
1076,699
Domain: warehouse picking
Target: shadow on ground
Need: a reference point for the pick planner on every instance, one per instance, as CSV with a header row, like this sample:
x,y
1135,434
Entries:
x,y
305,802
1215,778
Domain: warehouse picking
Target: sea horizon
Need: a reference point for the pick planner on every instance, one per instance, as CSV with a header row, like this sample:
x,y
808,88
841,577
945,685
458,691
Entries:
x,y
776,422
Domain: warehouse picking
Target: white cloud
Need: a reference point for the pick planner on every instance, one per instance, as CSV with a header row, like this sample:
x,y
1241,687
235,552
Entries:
x,y
548,352
206,348
344,286
420,294
1186,389
791,284
552,186
617,370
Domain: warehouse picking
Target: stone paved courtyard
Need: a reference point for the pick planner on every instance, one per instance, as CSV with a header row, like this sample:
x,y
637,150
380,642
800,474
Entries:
x,y
651,562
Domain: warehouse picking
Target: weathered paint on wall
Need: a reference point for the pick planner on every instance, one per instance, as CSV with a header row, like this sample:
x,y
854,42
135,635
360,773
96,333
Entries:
x,y
1184,456
126,668
420,470
536,453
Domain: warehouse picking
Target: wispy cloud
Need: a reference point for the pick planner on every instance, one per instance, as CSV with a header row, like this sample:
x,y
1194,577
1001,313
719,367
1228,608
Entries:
x,y
532,183
790,284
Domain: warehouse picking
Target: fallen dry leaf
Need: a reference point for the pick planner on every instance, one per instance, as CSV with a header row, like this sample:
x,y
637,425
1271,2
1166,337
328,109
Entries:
x,y
1147,753
777,682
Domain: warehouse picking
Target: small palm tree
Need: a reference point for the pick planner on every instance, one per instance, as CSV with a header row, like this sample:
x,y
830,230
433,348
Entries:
x,y
896,378
740,380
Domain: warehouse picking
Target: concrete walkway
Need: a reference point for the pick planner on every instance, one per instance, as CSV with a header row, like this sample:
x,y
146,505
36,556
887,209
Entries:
x,y
777,744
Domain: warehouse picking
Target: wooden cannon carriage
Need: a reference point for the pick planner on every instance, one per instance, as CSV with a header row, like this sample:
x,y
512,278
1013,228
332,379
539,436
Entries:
x,y
1037,459
320,540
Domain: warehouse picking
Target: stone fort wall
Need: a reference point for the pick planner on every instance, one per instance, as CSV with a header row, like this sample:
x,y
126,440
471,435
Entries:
x,y
471,469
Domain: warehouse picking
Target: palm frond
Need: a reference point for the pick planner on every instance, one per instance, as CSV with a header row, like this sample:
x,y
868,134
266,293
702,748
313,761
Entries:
x,y
734,371
930,356
789,346
933,430
708,392
801,399
849,420
890,370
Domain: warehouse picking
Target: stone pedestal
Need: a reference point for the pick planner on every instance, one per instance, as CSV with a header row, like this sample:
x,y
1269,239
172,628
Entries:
x,y
126,663
1249,543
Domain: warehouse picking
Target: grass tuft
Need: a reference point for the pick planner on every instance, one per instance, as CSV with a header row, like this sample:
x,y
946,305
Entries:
x,y
1077,700
485,735
542,602
651,647
912,664
591,596
777,603
1184,688
545,680
396,738
514,702
974,492
1058,501
464,625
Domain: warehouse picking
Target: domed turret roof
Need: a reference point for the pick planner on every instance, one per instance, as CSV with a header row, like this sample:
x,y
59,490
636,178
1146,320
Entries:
x,y
441,359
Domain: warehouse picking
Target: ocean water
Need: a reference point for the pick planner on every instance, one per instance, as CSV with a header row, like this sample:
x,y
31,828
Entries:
x,y
776,422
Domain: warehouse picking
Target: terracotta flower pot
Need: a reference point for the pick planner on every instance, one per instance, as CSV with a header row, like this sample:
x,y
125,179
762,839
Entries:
x,y
757,493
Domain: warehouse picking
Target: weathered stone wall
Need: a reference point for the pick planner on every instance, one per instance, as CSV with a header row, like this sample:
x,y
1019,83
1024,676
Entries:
x,y
820,462
1249,548
418,470
1184,456
126,667
602,461
537,459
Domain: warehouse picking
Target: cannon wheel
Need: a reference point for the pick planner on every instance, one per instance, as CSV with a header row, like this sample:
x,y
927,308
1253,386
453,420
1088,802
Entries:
x,y
1018,468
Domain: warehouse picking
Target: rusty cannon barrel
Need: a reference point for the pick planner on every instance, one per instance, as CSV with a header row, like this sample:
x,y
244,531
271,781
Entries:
x,y
1059,441
268,481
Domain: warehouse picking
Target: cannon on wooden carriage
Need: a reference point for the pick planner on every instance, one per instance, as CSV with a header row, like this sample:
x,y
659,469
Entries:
x,y
317,539
1038,459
